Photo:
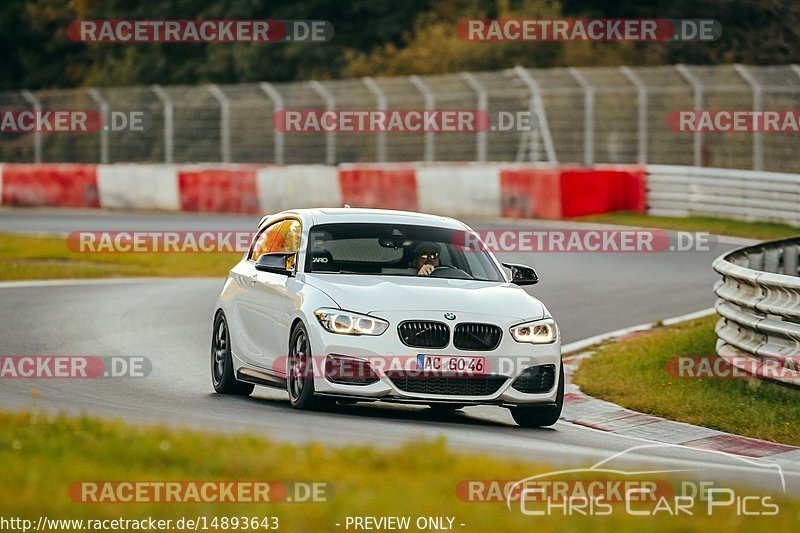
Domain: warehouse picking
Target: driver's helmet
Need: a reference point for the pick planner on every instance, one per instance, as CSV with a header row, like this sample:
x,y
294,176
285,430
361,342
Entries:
x,y
427,252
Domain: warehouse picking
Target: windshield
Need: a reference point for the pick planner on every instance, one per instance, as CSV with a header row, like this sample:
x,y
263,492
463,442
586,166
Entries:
x,y
398,250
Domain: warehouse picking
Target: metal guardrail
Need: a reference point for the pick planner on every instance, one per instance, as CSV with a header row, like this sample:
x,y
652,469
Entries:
x,y
759,305
726,193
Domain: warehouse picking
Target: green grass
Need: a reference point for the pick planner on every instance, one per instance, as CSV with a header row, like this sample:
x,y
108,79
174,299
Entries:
x,y
632,373
48,257
719,226
43,455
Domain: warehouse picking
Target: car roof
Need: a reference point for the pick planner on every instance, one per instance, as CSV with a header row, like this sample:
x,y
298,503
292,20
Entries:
x,y
332,215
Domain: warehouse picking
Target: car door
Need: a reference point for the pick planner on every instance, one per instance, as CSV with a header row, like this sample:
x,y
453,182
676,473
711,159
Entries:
x,y
269,299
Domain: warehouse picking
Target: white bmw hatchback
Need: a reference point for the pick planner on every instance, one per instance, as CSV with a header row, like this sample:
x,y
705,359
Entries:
x,y
355,305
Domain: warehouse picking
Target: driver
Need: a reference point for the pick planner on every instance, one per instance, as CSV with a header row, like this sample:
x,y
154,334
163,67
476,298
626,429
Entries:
x,y
426,258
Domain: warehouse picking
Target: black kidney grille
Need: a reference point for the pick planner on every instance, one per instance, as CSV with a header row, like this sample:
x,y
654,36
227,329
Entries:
x,y
424,334
536,379
479,337
444,385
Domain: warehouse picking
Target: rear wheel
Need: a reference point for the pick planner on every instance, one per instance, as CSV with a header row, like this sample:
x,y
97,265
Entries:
x,y
222,372
300,373
531,416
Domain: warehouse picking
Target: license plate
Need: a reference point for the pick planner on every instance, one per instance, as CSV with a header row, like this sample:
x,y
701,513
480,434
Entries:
x,y
451,363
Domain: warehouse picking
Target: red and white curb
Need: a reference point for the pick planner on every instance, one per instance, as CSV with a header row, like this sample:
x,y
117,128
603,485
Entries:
x,y
513,190
584,410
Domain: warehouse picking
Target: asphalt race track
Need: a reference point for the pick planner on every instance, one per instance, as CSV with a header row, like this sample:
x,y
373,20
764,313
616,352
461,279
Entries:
x,y
169,321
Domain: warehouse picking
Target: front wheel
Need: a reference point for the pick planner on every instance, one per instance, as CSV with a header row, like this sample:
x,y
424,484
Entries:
x,y
300,372
541,415
222,373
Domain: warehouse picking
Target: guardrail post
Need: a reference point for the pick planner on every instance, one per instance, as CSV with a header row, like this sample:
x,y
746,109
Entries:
x,y
380,96
758,103
588,115
103,105
224,122
37,134
480,92
641,90
277,105
796,69
537,106
169,117
430,104
330,105
697,89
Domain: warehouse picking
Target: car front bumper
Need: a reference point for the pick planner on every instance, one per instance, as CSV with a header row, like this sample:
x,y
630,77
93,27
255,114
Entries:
x,y
386,353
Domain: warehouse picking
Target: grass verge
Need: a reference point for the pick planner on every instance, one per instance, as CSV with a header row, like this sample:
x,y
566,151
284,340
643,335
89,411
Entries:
x,y
43,455
47,257
750,407
720,226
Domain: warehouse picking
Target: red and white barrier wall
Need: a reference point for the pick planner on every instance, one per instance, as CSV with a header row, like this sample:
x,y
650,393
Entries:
x,y
509,190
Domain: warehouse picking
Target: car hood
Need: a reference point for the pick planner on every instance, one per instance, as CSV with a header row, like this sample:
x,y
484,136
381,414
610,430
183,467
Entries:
x,y
373,294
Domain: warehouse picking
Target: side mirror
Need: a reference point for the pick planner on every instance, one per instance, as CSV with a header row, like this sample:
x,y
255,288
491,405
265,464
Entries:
x,y
521,274
277,263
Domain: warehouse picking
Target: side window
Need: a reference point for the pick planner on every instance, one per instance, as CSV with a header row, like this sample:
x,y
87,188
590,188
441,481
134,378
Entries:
x,y
287,238
283,236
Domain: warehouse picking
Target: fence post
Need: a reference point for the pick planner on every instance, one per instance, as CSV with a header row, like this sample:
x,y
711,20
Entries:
x,y
37,134
430,104
758,100
169,113
380,96
224,121
641,90
697,89
537,106
330,105
277,105
103,105
480,92
588,116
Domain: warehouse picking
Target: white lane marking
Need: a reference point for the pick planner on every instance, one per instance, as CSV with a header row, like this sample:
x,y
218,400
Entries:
x,y
99,281
585,343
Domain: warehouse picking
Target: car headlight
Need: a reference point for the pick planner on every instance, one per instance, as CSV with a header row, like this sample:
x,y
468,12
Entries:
x,y
349,323
536,332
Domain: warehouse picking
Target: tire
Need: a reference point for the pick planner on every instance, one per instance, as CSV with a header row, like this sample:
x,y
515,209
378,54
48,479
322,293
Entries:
x,y
539,416
299,375
222,373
